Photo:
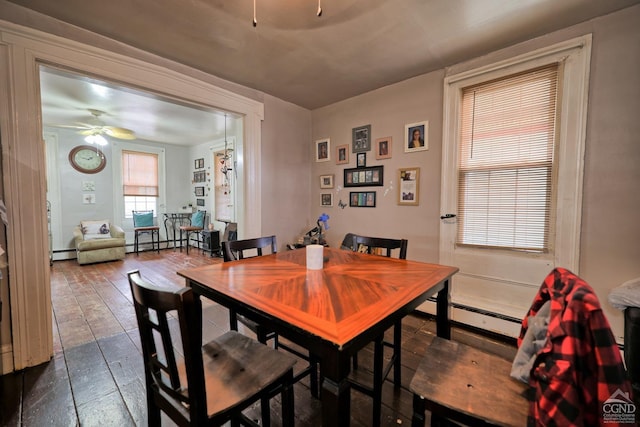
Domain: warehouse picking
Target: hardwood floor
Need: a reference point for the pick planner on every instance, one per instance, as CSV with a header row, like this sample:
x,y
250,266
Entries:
x,y
96,376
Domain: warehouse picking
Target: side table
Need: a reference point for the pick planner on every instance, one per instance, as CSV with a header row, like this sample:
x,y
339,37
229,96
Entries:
x,y
211,242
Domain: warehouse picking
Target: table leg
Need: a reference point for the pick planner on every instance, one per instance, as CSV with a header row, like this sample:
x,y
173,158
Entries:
x,y
443,306
335,393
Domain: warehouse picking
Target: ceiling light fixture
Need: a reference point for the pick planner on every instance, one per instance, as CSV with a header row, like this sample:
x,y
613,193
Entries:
x,y
255,20
96,139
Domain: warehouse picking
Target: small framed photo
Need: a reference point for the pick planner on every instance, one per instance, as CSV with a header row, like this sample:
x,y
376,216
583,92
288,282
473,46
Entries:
x,y
362,160
322,150
199,191
383,148
342,154
199,163
362,199
326,199
416,137
199,176
326,181
199,202
409,189
361,139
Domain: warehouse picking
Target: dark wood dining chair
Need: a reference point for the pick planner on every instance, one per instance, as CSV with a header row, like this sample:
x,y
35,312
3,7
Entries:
x,y
385,247
240,249
212,383
143,224
196,225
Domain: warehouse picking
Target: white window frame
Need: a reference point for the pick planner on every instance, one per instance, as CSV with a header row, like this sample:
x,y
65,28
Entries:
x,y
575,55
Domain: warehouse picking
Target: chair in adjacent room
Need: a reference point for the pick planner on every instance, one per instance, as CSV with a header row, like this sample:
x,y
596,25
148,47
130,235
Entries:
x,y
143,224
196,225
385,247
212,383
240,249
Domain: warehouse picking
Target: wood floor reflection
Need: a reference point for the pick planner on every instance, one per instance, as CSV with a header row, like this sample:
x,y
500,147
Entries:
x,y
96,375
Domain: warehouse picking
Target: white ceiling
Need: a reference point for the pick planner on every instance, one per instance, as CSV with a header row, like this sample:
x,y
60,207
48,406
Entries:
x,y
67,98
354,47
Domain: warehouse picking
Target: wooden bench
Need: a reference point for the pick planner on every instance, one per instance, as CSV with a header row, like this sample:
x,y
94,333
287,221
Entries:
x,y
463,384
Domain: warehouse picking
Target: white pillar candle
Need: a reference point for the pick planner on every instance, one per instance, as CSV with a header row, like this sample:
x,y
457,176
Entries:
x,y
315,254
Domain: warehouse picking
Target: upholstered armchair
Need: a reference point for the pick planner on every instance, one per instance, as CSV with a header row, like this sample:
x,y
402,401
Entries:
x,y
98,241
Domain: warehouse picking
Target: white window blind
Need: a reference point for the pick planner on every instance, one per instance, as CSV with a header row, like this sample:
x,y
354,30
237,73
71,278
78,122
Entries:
x,y
505,169
139,174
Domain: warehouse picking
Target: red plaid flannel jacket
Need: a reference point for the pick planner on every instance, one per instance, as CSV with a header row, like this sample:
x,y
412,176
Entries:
x,y
580,366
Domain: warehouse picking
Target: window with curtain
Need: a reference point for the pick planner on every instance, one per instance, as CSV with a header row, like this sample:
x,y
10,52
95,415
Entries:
x,y
140,181
506,162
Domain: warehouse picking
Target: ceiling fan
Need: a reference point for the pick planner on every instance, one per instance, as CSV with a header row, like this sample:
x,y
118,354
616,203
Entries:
x,y
96,128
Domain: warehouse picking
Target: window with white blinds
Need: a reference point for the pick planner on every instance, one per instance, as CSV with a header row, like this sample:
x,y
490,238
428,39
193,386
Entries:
x,y
139,173
506,160
140,182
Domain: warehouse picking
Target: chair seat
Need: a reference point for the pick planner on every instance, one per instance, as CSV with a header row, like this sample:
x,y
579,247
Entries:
x,y
150,228
237,368
190,228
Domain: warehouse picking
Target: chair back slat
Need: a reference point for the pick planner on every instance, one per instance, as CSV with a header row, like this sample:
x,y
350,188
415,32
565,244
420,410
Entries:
x,y
234,249
153,305
371,243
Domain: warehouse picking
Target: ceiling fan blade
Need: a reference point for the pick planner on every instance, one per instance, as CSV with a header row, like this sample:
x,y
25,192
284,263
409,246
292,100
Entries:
x,y
120,133
70,126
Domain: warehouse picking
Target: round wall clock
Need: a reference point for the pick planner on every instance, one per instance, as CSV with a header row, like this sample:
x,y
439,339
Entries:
x,y
87,159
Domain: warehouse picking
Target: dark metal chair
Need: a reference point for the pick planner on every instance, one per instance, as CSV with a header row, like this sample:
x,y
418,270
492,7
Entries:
x,y
212,383
143,224
384,247
196,225
237,249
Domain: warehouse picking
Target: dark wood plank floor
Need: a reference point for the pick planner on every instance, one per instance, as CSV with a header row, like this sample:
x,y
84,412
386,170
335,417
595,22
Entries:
x,y
96,375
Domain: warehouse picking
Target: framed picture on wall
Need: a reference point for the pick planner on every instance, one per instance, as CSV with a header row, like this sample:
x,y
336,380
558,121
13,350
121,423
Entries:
x,y
383,148
199,163
361,139
326,181
199,202
361,161
409,190
199,191
326,199
362,199
364,177
322,149
342,154
416,137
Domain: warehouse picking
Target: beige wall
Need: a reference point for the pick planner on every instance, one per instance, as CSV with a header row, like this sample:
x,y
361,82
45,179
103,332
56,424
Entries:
x,y
286,130
387,110
610,248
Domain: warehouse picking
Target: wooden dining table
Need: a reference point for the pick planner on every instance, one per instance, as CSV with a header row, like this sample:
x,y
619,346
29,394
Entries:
x,y
332,312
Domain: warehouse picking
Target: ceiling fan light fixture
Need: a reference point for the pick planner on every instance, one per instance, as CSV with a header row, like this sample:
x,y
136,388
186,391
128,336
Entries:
x,y
255,19
96,139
